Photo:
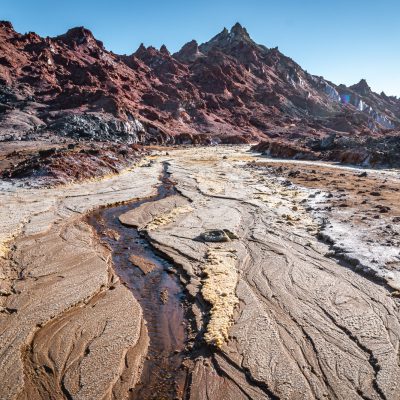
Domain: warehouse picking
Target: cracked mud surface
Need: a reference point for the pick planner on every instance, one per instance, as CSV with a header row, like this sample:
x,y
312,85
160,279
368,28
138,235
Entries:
x,y
303,325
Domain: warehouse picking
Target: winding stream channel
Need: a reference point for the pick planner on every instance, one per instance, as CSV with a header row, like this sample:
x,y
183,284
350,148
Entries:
x,y
159,294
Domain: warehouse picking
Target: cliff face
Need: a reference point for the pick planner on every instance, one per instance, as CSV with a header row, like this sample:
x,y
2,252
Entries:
x,y
229,89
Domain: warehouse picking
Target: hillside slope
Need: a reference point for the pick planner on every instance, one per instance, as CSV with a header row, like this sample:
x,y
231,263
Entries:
x,y
229,89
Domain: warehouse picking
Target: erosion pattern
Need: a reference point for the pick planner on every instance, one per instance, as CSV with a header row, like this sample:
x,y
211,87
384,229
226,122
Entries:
x,y
298,323
228,89
64,314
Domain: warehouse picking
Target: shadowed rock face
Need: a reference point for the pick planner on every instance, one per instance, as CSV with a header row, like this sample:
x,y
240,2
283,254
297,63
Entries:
x,y
229,87
367,151
74,163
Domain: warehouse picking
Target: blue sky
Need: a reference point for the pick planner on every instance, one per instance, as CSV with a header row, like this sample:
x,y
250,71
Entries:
x,y
343,40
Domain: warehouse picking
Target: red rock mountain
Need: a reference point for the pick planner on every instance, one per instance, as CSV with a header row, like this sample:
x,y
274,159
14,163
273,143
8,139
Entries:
x,y
229,89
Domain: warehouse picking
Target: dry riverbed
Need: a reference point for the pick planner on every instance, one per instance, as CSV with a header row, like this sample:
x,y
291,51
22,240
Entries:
x,y
300,301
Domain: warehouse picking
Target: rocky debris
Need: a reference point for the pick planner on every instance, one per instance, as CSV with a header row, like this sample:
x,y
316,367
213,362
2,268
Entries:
x,y
284,149
377,151
227,90
383,209
111,233
74,163
17,124
99,127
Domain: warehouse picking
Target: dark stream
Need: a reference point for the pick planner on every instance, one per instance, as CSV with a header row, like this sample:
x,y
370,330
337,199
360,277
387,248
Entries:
x,y
159,294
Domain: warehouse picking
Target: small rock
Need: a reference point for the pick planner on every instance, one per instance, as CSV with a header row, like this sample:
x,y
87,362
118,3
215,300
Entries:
x,y
164,296
218,235
294,173
383,209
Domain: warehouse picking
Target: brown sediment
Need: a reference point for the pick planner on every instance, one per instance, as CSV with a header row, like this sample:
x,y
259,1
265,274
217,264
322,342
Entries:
x,y
55,371
303,325
55,367
162,375
299,312
160,295
69,328
67,322
351,187
140,262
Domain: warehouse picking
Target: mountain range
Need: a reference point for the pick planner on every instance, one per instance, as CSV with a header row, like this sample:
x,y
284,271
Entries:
x,y
227,90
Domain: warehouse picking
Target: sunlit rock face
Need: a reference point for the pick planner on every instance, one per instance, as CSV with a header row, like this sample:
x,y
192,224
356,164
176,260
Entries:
x,y
228,89
328,88
376,111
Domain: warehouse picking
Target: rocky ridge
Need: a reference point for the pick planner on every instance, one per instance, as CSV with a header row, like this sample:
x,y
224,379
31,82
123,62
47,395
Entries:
x,y
229,89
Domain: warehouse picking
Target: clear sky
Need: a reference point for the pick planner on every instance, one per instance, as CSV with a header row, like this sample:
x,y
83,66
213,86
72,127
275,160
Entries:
x,y
343,40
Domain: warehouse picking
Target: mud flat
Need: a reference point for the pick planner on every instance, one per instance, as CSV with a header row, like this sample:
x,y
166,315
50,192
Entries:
x,y
274,313
305,326
68,327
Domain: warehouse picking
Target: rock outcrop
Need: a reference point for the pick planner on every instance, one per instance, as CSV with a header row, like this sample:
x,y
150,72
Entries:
x,y
380,151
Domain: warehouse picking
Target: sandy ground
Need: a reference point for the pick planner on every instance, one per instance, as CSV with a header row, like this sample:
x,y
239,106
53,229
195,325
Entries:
x,y
286,314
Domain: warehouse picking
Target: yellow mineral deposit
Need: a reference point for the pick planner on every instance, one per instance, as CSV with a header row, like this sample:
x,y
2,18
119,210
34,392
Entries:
x,y
3,250
218,289
167,218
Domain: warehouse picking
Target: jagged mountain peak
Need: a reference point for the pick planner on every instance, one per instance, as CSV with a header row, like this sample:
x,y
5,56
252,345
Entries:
x,y
164,50
141,51
361,87
229,83
150,52
220,37
239,31
79,36
189,52
227,40
6,25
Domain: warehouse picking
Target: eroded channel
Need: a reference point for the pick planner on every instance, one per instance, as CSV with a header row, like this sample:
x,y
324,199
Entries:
x,y
160,295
